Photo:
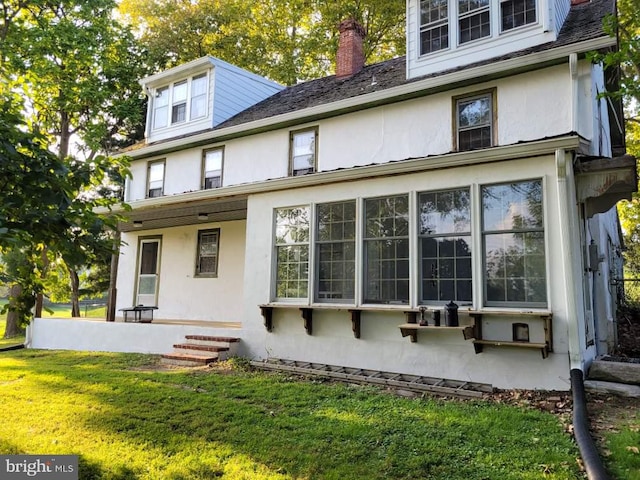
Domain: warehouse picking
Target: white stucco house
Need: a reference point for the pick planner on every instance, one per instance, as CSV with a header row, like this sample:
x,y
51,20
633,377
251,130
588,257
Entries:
x,y
327,219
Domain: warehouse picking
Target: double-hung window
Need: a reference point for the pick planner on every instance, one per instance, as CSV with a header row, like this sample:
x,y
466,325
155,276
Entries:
x,y
516,13
155,179
444,230
198,96
474,119
207,261
336,251
292,252
513,242
160,107
474,20
303,151
212,168
386,250
434,26
179,105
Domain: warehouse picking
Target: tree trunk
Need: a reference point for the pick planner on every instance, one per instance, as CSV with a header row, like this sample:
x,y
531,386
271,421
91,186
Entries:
x,y
75,293
43,274
113,292
13,327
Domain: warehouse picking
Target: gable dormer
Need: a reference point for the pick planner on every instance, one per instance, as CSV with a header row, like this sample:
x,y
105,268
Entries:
x,y
446,34
200,95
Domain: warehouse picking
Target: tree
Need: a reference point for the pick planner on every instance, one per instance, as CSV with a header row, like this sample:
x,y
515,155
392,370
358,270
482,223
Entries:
x,y
285,40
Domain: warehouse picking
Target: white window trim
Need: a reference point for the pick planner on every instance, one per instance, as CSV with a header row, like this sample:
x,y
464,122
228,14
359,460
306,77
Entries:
x,y
171,102
204,167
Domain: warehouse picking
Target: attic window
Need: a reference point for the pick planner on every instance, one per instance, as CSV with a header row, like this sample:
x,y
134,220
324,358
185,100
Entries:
x,y
181,101
434,26
474,20
515,13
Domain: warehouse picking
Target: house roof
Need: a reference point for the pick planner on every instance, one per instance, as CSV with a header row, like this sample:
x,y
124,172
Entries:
x,y
584,22
582,25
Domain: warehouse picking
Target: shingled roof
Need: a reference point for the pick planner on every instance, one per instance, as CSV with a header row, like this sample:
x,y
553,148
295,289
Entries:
x,y
584,22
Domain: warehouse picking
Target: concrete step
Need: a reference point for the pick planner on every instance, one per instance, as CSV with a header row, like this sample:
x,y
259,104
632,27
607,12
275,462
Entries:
x,y
623,389
187,359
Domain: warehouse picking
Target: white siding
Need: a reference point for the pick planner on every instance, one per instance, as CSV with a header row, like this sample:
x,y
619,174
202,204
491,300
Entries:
x,y
561,11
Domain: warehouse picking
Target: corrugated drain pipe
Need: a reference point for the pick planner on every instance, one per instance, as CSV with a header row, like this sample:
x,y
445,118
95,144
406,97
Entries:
x,y
12,347
590,457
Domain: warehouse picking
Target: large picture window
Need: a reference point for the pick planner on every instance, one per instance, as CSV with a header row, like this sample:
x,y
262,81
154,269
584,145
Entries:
x,y
386,250
514,248
292,252
444,229
336,251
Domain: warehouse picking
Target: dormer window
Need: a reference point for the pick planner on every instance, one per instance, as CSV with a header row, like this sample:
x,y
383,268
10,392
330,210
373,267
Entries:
x,y
515,13
467,21
473,20
180,101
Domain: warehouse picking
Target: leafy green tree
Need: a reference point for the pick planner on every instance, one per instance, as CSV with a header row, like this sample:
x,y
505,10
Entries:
x,y
285,40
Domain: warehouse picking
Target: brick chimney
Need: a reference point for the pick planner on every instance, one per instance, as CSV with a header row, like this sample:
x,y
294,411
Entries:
x,y
350,58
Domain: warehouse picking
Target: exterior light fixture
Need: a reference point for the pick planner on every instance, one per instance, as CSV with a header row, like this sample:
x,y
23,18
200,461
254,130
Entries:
x,y
203,216
137,223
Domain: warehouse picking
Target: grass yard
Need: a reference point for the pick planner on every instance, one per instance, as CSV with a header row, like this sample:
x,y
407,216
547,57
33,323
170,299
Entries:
x,y
129,419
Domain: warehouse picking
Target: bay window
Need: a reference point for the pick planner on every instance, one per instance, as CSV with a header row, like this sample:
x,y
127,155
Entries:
x,y
292,252
444,230
336,251
513,242
386,250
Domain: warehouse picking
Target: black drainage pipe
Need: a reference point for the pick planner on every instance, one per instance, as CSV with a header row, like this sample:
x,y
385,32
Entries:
x,y
12,347
590,457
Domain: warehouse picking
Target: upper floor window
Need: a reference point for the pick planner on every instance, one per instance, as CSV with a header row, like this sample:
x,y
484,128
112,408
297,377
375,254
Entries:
x,y
473,20
212,168
466,21
474,122
515,13
303,152
155,179
180,101
207,261
434,25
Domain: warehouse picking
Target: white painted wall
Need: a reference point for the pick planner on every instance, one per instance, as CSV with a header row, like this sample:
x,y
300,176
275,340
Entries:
x,y
101,336
182,296
438,354
529,106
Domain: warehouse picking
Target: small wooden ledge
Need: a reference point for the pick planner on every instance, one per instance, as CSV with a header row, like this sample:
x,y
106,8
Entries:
x,y
307,316
267,313
479,344
355,322
411,330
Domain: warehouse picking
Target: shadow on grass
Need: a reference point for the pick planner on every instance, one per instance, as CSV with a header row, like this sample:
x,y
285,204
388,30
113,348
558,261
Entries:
x,y
284,428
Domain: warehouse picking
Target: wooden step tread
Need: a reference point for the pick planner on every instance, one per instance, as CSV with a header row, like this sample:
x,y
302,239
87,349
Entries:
x,y
212,339
204,348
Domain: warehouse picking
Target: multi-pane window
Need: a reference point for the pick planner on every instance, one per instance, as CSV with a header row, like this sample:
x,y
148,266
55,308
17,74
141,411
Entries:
x,y
179,106
474,122
303,152
386,250
434,26
155,179
198,96
474,20
513,242
207,261
515,13
336,251
180,101
292,252
161,107
212,168
444,229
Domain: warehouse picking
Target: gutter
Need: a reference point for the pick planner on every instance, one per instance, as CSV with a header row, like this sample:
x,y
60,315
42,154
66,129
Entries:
x,y
411,89
590,457
400,167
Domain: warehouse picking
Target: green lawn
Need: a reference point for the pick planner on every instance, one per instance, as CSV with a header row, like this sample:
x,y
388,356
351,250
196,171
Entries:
x,y
127,419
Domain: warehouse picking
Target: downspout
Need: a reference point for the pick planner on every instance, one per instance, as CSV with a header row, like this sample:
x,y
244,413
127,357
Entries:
x,y
588,451
573,71
575,358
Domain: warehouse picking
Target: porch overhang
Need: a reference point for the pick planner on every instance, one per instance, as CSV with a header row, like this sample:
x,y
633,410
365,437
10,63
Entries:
x,y
602,182
183,213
